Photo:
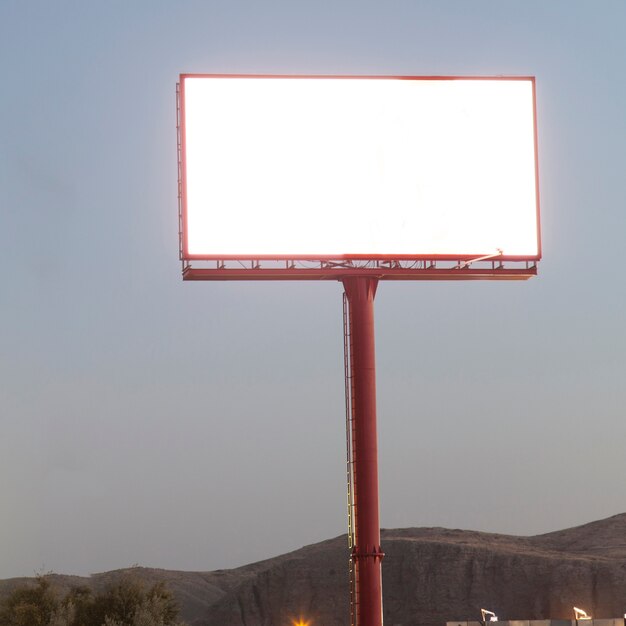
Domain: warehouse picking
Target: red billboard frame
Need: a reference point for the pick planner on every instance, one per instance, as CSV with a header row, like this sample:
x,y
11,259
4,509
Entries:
x,y
386,267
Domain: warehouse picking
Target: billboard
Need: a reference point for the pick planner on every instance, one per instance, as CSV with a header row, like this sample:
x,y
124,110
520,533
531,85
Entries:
x,y
358,168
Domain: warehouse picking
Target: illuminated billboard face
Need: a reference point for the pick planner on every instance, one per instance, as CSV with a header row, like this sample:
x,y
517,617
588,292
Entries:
x,y
332,167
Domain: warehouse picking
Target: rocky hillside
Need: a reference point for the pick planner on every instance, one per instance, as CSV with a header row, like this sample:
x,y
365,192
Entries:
x,y
430,576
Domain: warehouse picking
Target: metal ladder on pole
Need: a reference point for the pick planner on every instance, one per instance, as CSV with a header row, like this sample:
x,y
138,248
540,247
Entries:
x,y
347,357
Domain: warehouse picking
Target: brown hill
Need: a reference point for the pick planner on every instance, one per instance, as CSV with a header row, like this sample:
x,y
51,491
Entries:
x,y
430,576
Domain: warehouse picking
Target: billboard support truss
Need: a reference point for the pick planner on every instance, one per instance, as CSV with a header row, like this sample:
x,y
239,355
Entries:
x,y
395,269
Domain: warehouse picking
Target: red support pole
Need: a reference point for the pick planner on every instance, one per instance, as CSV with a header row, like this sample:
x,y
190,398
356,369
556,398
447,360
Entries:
x,y
367,554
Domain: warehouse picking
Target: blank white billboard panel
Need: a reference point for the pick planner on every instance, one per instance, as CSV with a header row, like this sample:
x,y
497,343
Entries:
x,y
305,167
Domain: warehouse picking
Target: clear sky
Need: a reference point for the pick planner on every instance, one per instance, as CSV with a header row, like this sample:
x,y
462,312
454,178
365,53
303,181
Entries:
x,y
201,426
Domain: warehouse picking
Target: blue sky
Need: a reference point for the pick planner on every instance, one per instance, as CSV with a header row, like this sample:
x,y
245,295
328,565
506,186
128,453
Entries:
x,y
200,426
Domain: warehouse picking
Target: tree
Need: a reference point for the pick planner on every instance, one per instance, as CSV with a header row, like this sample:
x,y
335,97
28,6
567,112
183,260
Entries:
x,y
30,606
124,603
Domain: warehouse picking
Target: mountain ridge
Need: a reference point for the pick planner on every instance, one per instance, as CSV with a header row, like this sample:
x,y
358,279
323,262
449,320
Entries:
x,y
430,575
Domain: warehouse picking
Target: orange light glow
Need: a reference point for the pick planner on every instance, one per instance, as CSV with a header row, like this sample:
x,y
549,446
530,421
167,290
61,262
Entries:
x,y
301,622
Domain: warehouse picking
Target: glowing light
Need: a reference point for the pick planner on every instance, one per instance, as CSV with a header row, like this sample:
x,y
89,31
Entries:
x,y
310,167
301,622
492,616
580,614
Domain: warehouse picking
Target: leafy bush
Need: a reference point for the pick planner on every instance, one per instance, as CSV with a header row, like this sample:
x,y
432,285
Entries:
x,y
124,603
30,606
